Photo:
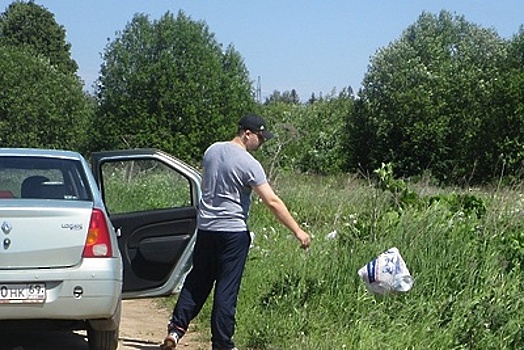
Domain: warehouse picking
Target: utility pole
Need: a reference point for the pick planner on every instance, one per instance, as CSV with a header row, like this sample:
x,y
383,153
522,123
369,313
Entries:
x,y
258,94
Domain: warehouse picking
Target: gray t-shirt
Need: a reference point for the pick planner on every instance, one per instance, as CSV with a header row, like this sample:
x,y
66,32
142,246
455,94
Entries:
x,y
229,172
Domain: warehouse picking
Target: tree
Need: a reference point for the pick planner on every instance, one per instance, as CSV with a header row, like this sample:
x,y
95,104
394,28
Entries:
x,y
503,132
309,136
425,95
26,24
40,106
169,84
290,97
516,50
322,148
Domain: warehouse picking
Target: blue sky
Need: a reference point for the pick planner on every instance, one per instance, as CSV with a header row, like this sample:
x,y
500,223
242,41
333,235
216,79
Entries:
x,y
310,46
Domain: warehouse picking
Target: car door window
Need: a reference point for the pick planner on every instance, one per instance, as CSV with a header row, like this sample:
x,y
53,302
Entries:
x,y
143,185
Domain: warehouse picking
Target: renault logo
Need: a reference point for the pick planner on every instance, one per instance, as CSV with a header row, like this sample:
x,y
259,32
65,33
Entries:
x,y
6,227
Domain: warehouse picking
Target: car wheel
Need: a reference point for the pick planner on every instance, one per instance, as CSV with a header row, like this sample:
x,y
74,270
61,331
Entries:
x,y
99,338
102,340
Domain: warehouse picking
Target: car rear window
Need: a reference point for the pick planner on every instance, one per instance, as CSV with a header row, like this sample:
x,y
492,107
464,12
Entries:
x,y
42,178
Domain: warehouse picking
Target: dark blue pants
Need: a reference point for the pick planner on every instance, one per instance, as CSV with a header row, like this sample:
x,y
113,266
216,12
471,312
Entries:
x,y
218,259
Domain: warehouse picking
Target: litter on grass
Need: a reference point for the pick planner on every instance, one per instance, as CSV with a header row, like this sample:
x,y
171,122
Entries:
x,y
386,273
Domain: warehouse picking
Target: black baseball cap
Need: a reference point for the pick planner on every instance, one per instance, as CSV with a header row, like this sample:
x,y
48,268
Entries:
x,y
255,123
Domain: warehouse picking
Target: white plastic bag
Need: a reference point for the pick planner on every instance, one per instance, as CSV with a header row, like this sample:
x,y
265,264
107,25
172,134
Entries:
x,y
386,273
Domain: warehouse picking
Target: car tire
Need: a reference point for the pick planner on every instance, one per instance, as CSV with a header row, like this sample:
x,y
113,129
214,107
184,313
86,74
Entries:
x,y
99,338
102,340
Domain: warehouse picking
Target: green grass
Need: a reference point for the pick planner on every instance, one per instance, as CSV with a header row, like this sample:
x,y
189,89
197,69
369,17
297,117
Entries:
x,y
466,264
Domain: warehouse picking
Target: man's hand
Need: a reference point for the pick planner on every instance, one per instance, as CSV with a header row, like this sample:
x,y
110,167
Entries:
x,y
304,239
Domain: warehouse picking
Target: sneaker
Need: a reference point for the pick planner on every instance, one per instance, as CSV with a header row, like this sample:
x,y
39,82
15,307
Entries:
x,y
170,342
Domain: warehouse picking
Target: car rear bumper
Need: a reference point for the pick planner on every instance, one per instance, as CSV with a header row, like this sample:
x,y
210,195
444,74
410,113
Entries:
x,y
89,291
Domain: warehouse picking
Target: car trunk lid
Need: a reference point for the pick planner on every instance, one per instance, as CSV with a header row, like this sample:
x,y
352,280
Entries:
x,y
43,233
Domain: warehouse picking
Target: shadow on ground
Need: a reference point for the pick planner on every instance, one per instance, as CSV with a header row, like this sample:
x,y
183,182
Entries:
x,y
40,340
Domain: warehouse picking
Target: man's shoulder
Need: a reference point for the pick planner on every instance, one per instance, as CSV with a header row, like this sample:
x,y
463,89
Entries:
x,y
216,147
219,144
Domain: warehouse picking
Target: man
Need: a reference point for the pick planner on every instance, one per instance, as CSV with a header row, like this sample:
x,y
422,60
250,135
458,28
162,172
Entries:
x,y
230,173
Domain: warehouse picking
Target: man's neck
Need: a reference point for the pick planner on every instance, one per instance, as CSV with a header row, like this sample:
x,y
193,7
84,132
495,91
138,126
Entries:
x,y
239,142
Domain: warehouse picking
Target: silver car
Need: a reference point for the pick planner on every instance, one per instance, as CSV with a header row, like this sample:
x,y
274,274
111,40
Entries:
x,y
77,238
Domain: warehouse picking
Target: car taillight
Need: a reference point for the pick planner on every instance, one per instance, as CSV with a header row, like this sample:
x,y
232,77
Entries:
x,y
98,241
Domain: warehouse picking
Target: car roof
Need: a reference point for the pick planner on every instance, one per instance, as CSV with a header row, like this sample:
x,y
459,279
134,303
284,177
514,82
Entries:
x,y
40,152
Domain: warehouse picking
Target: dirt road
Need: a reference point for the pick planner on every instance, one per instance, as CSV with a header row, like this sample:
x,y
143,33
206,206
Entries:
x,y
142,328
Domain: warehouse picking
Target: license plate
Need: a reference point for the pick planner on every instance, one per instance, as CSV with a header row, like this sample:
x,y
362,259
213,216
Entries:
x,y
22,293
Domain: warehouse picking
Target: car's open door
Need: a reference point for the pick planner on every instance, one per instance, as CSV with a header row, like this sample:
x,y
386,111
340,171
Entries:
x,y
151,198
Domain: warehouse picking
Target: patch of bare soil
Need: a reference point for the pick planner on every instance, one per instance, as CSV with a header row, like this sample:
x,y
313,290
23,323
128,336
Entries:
x,y
143,327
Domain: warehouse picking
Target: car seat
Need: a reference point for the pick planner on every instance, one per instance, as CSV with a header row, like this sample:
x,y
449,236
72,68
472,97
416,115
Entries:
x,y
32,187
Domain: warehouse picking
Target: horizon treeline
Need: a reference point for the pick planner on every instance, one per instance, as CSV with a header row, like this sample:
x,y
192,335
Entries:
x,y
443,101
